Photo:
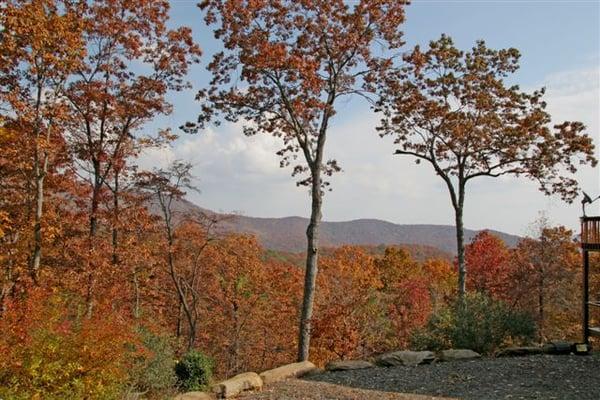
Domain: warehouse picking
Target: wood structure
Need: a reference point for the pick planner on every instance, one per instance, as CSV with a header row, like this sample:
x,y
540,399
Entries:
x,y
590,241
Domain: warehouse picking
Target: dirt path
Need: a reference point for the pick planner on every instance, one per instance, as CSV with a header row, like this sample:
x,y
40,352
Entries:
x,y
294,389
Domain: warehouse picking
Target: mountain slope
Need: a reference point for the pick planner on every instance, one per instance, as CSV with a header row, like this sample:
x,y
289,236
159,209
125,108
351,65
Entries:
x,y
288,234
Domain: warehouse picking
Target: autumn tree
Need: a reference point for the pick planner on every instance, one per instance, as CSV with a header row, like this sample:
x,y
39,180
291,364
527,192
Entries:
x,y
546,281
40,48
252,305
346,304
405,296
133,60
489,261
166,188
454,110
14,224
441,277
285,66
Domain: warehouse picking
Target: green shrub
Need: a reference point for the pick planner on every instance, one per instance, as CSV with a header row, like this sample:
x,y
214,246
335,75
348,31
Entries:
x,y
477,323
153,371
194,371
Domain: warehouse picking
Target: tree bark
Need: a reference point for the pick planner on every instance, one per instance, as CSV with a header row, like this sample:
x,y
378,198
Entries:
x,y
460,243
95,204
541,308
460,249
310,276
115,227
136,291
179,320
40,169
541,286
10,280
40,175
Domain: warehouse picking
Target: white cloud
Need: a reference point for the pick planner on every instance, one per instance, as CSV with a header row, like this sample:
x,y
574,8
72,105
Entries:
x,y
242,173
155,157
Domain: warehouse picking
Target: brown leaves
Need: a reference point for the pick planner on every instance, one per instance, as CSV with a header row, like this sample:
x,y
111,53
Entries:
x,y
453,109
294,59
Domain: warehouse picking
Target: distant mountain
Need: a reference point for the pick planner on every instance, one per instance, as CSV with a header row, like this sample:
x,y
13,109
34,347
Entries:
x,y
288,234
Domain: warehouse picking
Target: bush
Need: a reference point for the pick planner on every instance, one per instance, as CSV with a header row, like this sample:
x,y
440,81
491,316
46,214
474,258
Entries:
x,y
153,370
49,351
478,323
194,371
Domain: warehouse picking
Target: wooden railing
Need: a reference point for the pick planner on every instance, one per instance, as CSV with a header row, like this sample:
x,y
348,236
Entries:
x,y
590,233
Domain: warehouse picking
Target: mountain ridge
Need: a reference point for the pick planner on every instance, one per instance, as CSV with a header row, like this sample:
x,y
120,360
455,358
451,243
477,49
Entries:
x,y
288,233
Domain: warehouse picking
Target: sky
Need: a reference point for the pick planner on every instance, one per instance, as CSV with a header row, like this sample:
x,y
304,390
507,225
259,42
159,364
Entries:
x,y
560,46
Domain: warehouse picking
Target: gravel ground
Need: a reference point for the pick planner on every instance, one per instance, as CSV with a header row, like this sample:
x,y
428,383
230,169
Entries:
x,y
294,389
532,377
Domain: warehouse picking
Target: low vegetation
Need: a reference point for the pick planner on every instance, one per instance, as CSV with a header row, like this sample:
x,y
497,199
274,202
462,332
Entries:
x,y
476,322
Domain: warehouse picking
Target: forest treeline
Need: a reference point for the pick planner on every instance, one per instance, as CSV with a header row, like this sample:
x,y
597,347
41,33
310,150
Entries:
x,y
107,288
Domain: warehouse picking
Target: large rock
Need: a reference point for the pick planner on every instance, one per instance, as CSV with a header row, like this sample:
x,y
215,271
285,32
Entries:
x,y
194,396
405,357
294,370
458,354
348,365
236,385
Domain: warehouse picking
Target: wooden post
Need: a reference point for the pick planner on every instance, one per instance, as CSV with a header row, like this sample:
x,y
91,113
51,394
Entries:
x,y
586,300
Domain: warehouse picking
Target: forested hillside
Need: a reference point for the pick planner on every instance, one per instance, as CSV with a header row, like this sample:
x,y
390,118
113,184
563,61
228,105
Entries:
x,y
113,285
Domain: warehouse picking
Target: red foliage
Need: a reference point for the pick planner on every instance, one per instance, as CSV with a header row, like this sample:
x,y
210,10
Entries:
x,y
489,264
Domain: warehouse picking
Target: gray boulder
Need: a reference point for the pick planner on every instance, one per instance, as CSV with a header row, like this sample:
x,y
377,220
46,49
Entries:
x,y
346,365
458,354
405,357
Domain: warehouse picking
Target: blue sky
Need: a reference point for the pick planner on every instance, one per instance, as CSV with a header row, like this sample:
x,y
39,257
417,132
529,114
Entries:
x,y
560,46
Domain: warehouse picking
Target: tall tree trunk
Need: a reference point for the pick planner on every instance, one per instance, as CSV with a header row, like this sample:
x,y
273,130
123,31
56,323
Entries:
x,y
136,292
541,308
179,320
40,175
460,251
234,363
181,295
10,280
115,227
541,285
40,169
92,237
310,275
94,210
460,239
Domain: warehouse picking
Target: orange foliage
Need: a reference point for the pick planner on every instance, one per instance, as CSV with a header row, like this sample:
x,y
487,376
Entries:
x,y
546,282
407,295
51,351
248,306
345,304
368,304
